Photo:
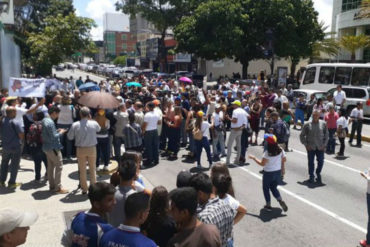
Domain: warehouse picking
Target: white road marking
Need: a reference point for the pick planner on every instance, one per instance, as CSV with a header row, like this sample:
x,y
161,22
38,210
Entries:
x,y
366,145
318,207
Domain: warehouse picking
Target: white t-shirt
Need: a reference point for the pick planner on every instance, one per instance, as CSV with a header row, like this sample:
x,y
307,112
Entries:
x,y
273,162
246,115
339,97
357,113
217,118
66,115
234,204
19,115
158,111
239,114
151,118
205,129
342,121
282,99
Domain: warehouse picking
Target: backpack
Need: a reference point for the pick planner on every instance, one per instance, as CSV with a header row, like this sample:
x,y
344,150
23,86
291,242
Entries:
x,y
281,131
33,137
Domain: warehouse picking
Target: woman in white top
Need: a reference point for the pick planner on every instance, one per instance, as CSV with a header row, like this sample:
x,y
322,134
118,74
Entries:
x,y
342,128
273,163
102,148
65,121
203,126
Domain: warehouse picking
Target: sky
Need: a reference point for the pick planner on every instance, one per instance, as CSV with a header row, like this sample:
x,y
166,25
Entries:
x,y
95,9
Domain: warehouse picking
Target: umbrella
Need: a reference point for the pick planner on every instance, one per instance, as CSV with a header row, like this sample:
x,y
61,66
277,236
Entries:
x,y
185,79
99,100
133,84
89,87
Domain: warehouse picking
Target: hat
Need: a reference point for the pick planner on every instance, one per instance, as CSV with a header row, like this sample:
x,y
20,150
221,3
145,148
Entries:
x,y
270,138
11,219
119,98
237,102
218,106
183,179
156,102
178,98
10,98
200,114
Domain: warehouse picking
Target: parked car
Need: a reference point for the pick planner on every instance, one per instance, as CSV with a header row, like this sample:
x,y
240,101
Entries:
x,y
355,95
60,67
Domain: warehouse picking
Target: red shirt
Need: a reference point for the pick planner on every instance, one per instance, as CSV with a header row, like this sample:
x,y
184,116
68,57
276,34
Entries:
x,y
331,120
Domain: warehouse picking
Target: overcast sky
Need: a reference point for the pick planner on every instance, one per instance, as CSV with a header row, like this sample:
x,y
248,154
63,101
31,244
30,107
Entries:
x,y
96,8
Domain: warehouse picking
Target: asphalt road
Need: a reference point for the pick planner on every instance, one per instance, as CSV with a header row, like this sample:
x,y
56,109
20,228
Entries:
x,y
330,215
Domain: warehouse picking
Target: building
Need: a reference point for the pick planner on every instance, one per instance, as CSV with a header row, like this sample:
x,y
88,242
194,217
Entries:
x,y
10,55
117,38
142,29
346,22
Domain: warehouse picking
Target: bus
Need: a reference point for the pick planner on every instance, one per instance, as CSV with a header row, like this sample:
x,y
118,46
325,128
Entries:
x,y
324,76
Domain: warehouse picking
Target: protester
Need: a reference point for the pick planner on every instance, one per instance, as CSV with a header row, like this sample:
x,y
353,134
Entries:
x,y
65,120
331,121
300,107
151,139
159,226
191,231
14,226
273,163
132,134
12,135
174,133
51,146
314,137
102,147
356,118
342,127
217,127
201,138
84,132
121,116
339,97
87,227
237,125
136,210
255,115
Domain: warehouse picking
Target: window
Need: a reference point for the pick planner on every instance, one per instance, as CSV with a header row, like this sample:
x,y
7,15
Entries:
x,y
124,47
350,4
358,93
319,95
367,54
124,36
327,75
360,77
310,76
342,75
349,92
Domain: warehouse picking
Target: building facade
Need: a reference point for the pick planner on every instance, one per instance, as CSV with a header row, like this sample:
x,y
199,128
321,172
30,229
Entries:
x,y
346,22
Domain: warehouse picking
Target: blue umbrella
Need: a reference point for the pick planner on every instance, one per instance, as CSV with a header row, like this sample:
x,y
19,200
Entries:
x,y
89,87
133,84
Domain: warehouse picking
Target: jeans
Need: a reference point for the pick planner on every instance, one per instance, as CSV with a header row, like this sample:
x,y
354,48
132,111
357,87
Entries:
x,y
102,151
218,139
117,142
191,143
270,181
263,118
342,145
14,156
151,145
184,134
244,143
234,135
174,135
330,147
356,127
368,221
38,157
299,115
67,144
163,137
320,162
199,145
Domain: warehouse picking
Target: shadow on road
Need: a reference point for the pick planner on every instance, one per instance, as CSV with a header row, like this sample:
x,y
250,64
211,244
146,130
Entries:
x,y
74,197
32,185
266,216
42,194
198,169
311,185
341,157
4,191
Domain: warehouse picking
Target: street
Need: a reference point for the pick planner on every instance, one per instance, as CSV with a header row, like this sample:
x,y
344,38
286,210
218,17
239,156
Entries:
x,y
333,214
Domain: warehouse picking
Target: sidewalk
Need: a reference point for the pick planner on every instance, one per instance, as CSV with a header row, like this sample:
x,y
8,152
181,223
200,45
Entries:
x,y
54,210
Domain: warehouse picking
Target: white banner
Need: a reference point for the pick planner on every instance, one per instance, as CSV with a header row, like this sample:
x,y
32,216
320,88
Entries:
x,y
23,87
182,58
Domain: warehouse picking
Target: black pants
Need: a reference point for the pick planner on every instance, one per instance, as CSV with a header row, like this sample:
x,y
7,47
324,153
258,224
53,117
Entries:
x,y
342,145
356,127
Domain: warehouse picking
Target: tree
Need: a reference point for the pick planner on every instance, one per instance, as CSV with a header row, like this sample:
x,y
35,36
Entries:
x,y
61,37
121,60
364,10
353,43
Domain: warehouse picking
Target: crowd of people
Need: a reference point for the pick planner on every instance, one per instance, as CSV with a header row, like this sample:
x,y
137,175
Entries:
x,y
158,119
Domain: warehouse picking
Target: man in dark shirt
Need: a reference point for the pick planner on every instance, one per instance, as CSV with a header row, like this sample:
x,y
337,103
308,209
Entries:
x,y
12,136
192,231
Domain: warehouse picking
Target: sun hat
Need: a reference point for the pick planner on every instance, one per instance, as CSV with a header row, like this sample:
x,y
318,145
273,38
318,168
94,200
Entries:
x,y
237,102
11,219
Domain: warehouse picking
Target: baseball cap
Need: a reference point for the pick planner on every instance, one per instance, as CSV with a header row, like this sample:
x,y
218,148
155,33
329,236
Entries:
x,y
11,219
183,179
237,102
200,113
270,138
156,102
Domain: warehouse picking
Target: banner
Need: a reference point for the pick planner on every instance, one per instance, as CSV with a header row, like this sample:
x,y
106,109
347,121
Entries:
x,y
282,75
23,87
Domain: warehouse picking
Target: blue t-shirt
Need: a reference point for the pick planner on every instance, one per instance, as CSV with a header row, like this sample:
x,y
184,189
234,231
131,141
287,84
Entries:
x,y
125,236
300,105
87,229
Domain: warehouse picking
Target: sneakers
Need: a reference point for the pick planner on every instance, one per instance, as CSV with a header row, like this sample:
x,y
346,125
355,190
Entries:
x,y
61,191
105,168
13,186
283,205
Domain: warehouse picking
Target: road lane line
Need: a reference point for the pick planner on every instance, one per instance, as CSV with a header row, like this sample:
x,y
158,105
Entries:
x,y
318,207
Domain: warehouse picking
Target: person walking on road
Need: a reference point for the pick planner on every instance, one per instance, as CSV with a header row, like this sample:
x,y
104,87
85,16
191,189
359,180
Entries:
x,y
84,132
237,125
331,120
51,146
356,116
342,126
314,137
273,163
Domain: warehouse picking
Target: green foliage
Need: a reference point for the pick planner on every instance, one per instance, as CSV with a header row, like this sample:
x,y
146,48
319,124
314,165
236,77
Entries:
x,y
353,43
121,60
61,37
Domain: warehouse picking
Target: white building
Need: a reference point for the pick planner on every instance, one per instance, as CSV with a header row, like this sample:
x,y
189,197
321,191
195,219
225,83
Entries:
x,y
116,22
346,22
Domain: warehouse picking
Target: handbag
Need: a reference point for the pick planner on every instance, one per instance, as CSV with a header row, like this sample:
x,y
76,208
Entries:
x,y
197,134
